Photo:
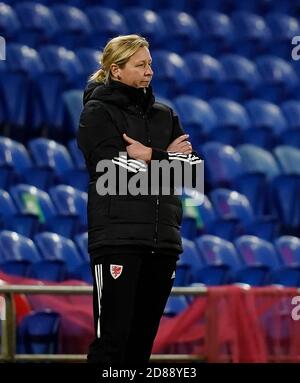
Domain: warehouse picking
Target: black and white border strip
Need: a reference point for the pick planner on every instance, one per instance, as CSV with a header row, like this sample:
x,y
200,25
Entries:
x,y
191,158
130,164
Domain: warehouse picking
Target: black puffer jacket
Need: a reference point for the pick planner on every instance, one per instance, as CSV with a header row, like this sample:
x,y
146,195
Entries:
x,y
121,220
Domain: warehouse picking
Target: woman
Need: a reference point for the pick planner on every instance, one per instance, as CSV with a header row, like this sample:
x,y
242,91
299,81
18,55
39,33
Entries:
x,y
134,240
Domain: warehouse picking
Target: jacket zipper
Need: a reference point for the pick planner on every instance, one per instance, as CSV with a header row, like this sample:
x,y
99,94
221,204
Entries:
x,y
156,220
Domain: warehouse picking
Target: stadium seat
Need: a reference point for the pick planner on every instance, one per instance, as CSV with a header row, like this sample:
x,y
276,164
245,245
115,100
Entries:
x,y
288,159
39,25
206,74
235,207
252,35
291,112
54,247
106,23
260,167
222,256
38,333
216,30
49,154
232,121
147,23
30,200
256,251
196,116
81,241
171,73
75,27
279,80
288,248
175,305
222,164
83,273
89,59
284,28
267,122
17,253
18,85
9,22
182,30
76,154
241,77
70,202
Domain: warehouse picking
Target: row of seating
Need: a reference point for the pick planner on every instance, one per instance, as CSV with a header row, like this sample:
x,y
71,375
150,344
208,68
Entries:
x,y
211,260
49,256
227,6
44,164
28,210
211,31
208,259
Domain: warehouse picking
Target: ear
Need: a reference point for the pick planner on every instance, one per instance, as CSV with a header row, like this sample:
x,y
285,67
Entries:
x,y
114,70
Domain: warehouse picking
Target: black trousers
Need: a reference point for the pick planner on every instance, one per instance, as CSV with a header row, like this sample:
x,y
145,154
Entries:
x,y
130,294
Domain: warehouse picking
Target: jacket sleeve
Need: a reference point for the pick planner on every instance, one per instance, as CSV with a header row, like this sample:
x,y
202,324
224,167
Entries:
x,y
98,138
159,154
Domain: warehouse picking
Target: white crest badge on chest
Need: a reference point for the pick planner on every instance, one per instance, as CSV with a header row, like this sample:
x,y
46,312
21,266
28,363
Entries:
x,y
116,271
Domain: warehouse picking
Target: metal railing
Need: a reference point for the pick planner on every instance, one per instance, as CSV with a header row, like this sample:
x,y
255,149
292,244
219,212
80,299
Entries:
x,y
9,325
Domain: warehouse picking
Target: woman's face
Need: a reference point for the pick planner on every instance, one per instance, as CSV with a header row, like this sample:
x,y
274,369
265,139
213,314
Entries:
x,y
137,71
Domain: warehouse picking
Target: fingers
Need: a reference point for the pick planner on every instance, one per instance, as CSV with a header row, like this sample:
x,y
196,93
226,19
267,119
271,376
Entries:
x,y
180,139
128,139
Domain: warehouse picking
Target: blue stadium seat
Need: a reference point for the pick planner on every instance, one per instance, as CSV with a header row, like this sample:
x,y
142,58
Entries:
x,y
284,28
81,241
188,265
9,22
252,35
220,255
73,105
182,31
286,189
288,159
175,305
12,219
83,273
16,166
222,164
51,155
255,6
106,23
206,74
147,23
17,253
89,59
235,207
241,77
75,27
288,248
171,73
260,167
18,84
70,202
197,117
232,121
216,30
30,200
76,154
38,333
267,122
259,252
279,80
291,112
39,25
55,247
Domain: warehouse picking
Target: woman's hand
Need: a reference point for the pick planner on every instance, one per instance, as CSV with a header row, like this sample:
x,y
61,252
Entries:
x,y
180,144
137,150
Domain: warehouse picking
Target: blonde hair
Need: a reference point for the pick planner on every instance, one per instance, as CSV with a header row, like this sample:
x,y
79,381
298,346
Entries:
x,y
117,51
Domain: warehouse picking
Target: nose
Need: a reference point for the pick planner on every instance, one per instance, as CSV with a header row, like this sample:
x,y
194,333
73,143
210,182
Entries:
x,y
149,71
